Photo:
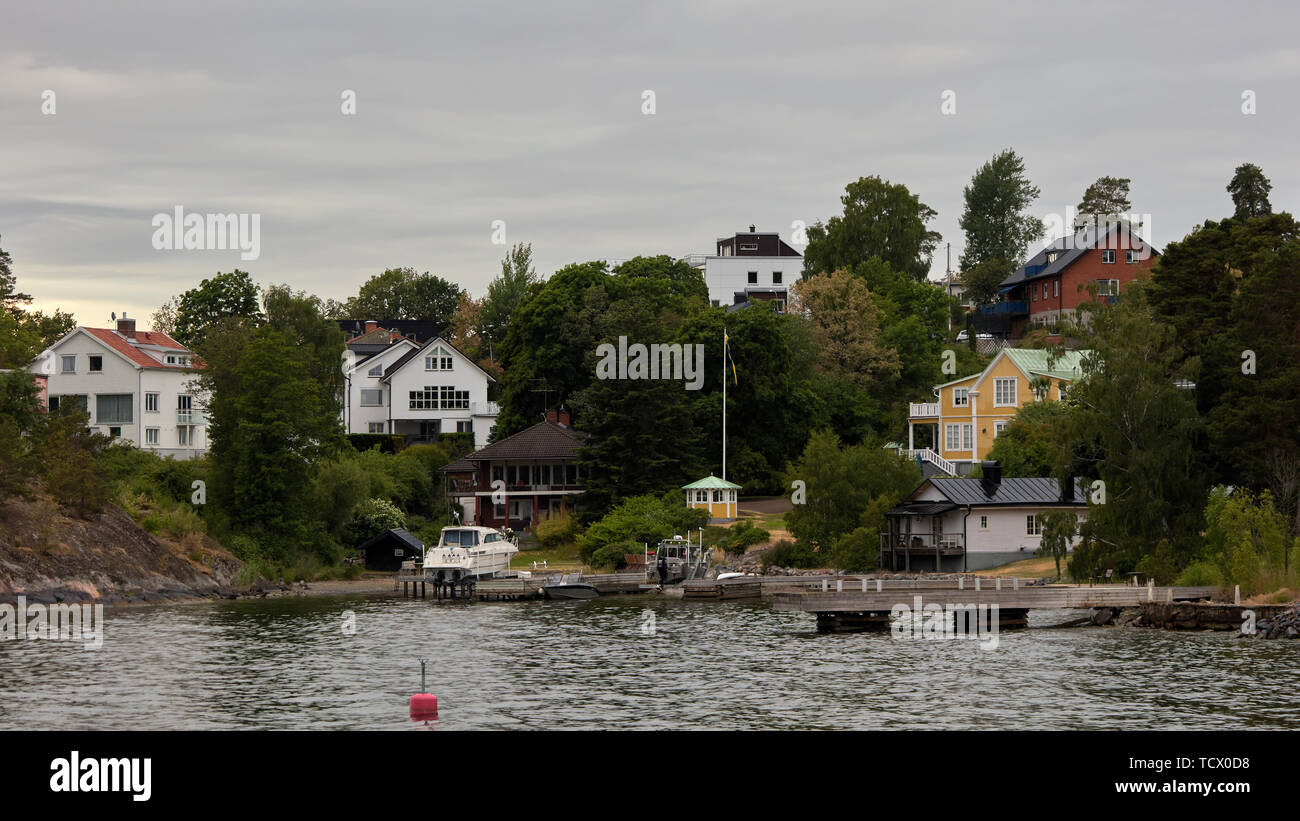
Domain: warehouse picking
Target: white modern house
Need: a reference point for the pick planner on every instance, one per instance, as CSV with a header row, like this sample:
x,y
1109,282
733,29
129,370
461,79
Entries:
x,y
419,391
137,386
951,523
752,266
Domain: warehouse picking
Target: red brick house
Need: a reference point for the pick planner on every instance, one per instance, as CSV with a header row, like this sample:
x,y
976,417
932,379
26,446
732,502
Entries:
x,y
537,469
1055,281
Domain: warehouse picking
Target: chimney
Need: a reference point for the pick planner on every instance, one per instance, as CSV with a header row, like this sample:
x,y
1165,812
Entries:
x,y
1067,489
370,326
751,229
126,327
992,477
558,417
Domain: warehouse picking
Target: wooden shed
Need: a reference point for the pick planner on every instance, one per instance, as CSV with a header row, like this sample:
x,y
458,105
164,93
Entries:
x,y
389,549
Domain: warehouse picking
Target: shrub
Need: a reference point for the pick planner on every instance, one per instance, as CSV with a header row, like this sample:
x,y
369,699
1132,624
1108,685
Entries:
x,y
1201,574
555,531
372,517
786,553
742,534
857,551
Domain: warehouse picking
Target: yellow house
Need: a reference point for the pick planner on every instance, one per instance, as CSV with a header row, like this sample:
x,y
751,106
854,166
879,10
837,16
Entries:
x,y
718,496
969,413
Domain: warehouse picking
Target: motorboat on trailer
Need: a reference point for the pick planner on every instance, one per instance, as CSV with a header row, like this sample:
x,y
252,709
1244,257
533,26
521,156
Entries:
x,y
467,553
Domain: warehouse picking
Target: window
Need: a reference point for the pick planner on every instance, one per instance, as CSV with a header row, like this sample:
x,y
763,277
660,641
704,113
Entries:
x,y
749,246
498,512
96,363
753,277
151,436
998,427
73,401
776,277
438,360
377,370
466,426
1108,287
452,399
376,427
183,436
69,364
1044,290
1131,256
713,302
151,403
1108,256
171,359
1033,294
1062,389
113,409
114,433
1051,256
426,399
1056,287
1004,392
961,397
958,437
372,398
1033,525
984,523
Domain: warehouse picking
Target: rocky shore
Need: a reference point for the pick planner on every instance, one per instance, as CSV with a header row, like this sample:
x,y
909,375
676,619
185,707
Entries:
x,y
1284,625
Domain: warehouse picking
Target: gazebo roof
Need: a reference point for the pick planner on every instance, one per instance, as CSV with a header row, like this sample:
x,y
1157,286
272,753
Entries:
x,y
711,482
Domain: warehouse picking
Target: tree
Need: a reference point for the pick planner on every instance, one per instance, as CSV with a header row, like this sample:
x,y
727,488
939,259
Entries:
x,y
1136,428
1034,442
223,296
1249,189
20,420
1059,527
843,486
995,225
66,453
164,319
845,327
1107,197
880,219
23,333
1246,537
506,292
402,293
984,280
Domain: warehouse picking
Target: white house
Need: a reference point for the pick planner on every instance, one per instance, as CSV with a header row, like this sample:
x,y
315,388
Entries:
x,y
970,524
135,385
749,267
419,391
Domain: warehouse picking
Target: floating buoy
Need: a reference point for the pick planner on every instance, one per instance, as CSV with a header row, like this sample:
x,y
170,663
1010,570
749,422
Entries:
x,y
424,706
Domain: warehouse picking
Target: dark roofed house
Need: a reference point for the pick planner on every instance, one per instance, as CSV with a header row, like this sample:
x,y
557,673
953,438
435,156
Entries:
x,y
538,469
952,523
389,549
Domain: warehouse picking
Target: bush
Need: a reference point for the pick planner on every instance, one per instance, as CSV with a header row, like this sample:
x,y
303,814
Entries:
x,y
387,443
742,534
642,519
789,554
372,517
613,556
555,531
1201,574
857,551
175,478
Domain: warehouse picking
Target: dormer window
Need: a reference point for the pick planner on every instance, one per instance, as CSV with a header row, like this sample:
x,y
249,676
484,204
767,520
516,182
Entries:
x,y
439,359
1051,256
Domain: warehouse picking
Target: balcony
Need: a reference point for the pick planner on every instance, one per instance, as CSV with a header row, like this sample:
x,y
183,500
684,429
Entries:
x,y
484,408
1009,308
189,417
923,410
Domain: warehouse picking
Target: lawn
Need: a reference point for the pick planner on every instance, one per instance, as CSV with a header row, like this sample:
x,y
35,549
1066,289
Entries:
x,y
564,557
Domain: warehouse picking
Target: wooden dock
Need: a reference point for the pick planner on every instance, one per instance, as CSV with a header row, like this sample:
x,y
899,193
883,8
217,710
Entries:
x,y
516,588
839,611
754,587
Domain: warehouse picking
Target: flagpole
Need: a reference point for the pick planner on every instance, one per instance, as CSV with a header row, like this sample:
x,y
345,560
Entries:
x,y
724,403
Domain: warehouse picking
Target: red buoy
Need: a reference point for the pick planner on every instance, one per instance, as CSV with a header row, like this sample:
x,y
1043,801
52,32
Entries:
x,y
424,707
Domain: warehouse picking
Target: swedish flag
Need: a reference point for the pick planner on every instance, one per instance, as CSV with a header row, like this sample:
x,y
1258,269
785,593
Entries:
x,y
726,351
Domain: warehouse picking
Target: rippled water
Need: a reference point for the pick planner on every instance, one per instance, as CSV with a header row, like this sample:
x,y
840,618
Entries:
x,y
287,663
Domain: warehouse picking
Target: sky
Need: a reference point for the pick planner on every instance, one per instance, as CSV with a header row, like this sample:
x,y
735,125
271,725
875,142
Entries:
x,y
535,115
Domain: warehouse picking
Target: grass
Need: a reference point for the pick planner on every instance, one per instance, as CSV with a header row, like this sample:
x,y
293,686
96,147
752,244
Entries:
x,y
1034,568
564,557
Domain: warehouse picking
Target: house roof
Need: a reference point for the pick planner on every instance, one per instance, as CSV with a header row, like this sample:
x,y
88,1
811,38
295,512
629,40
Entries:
x,y
1009,492
1065,365
1069,249
396,533
119,344
923,508
543,441
462,465
711,482
411,354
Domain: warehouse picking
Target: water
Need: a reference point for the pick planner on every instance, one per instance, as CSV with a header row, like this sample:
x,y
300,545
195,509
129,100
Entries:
x,y
288,664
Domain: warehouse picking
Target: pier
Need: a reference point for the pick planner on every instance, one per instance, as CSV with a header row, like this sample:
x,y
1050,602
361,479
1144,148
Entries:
x,y
844,610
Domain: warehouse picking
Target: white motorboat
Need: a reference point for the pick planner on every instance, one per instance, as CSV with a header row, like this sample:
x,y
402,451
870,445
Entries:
x,y
469,551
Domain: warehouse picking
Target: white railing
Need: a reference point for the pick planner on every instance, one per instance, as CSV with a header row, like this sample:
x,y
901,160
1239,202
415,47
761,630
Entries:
x,y
922,409
928,455
484,408
188,417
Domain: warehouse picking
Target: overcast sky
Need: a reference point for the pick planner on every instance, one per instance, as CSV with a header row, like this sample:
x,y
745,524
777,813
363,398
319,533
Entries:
x,y
531,113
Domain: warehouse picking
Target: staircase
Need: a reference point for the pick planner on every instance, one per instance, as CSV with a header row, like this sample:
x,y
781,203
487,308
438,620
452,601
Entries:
x,y
928,455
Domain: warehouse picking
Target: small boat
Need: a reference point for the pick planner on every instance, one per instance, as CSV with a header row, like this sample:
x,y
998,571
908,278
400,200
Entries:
x,y
725,576
467,552
569,586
